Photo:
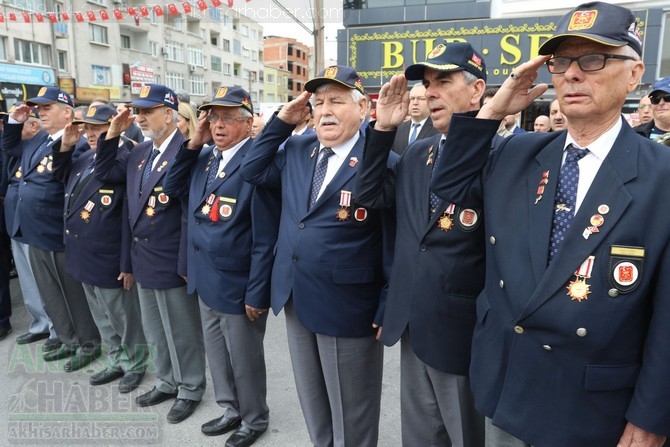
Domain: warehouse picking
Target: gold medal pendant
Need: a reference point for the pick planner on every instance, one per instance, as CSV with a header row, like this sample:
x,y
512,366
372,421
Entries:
x,y
85,215
40,169
150,211
578,290
206,209
445,222
343,214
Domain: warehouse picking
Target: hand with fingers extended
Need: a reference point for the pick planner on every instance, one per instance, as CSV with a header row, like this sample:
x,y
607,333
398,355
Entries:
x,y
296,111
392,103
202,132
71,136
21,113
517,92
120,123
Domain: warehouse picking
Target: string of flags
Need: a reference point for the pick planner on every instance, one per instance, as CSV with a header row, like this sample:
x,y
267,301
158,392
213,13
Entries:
x,y
135,12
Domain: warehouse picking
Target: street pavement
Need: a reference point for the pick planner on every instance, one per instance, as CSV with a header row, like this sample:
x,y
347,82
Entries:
x,y
40,404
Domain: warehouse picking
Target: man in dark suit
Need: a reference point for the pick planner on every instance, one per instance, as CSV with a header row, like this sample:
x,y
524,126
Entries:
x,y
40,222
438,268
419,125
329,271
94,252
232,231
170,315
571,342
5,297
32,136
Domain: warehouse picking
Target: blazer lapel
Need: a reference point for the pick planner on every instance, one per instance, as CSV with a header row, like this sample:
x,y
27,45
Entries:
x,y
230,168
312,156
608,188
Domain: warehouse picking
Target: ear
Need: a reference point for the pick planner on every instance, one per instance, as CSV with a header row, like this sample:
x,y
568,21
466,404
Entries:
x,y
479,86
363,104
636,75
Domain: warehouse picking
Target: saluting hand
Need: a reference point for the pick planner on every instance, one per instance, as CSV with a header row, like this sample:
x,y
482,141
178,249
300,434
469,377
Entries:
x,y
296,111
120,123
71,136
392,103
202,133
21,113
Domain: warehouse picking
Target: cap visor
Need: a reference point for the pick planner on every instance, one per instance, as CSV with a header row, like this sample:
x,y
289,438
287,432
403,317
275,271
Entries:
x,y
549,47
144,104
39,101
415,72
89,121
315,83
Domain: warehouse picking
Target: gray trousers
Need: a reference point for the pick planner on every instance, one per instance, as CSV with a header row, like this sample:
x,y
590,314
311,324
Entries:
x,y
171,321
117,314
64,300
437,408
236,357
339,384
497,437
41,323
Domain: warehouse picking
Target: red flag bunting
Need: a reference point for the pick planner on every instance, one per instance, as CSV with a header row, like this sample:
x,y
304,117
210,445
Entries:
x,y
79,17
118,14
202,5
230,3
65,16
144,10
39,17
26,17
187,7
2,18
91,15
132,11
216,3
158,9
52,17
104,15
12,17
173,9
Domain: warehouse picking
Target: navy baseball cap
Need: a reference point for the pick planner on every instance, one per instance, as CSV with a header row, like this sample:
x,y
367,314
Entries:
x,y
101,114
50,95
448,57
155,95
599,22
230,97
339,74
662,85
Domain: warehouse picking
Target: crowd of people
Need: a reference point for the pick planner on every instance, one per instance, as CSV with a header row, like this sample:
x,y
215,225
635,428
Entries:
x,y
522,273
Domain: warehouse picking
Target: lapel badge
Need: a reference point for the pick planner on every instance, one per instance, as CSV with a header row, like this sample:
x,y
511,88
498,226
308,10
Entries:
x,y
597,220
429,161
162,166
446,222
353,161
540,188
139,166
603,209
345,203
578,289
313,153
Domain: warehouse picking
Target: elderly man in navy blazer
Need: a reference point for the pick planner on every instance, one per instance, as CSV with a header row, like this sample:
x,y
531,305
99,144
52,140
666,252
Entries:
x,y
232,227
40,222
439,254
94,252
31,137
329,272
170,315
571,342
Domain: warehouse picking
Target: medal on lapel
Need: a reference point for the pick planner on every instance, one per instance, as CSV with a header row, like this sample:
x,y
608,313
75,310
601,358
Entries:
x,y
86,212
540,188
345,203
446,221
18,173
429,160
596,221
162,166
151,207
578,289
207,207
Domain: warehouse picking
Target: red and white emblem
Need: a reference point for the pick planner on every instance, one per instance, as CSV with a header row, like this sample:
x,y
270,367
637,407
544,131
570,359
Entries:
x,y
226,210
468,217
625,273
360,214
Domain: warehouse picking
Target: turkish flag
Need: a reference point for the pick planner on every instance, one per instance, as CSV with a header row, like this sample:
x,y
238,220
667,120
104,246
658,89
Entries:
x,y
158,9
104,15
230,3
173,9
91,15
144,11
26,17
202,5
216,3
2,18
132,11
118,14
79,17
187,7
65,16
39,17
52,17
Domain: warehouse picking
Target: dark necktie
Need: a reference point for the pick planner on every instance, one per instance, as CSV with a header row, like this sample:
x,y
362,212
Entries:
x,y
319,174
41,151
434,200
566,198
213,168
88,169
148,167
415,131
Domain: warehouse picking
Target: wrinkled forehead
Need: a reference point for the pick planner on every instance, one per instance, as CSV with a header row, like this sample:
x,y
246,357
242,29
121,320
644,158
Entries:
x,y
579,45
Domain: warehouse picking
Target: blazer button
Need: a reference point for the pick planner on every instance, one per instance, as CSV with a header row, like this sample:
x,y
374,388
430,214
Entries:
x,y
613,293
423,247
502,284
581,332
67,231
301,225
294,259
546,347
518,329
492,239
135,239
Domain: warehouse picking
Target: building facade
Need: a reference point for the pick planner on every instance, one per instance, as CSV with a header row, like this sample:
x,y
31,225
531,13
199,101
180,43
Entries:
x,y
288,54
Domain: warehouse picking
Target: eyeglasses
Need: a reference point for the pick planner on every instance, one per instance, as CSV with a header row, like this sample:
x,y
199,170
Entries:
x,y
226,119
587,62
655,100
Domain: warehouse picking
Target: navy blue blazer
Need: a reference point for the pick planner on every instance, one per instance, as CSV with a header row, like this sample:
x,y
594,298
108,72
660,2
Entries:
x,y
436,274
94,253
232,230
157,221
38,215
333,269
549,369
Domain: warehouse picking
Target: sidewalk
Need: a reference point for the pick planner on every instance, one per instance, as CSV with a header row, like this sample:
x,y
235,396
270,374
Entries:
x,y
42,405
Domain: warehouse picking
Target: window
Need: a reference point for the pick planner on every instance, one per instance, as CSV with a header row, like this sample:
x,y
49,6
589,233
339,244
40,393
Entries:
x,y
99,2
174,80
98,34
32,52
62,60
196,57
270,97
244,30
261,76
155,49
215,15
216,64
125,41
254,55
196,84
246,74
174,51
246,52
3,48
175,22
60,27
270,78
237,70
101,75
254,97
214,40
226,69
290,50
226,45
237,46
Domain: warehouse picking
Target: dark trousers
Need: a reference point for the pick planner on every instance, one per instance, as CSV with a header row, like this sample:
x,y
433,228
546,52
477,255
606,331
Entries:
x,y
5,298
